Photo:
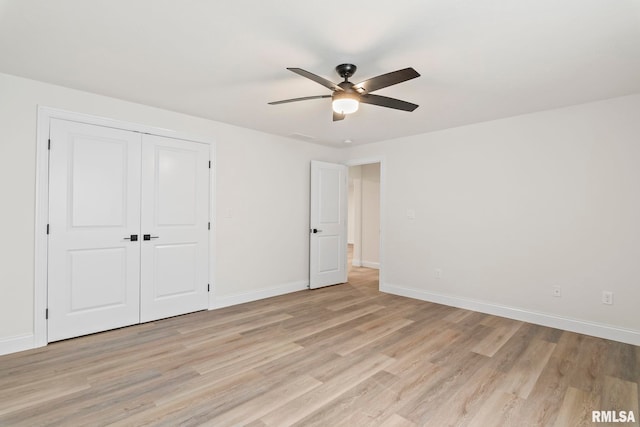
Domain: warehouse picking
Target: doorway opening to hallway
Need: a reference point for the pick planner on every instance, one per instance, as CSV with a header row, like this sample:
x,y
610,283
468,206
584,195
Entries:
x,y
364,225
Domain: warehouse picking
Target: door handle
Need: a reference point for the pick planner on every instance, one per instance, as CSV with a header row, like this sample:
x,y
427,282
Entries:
x,y
133,238
315,230
149,237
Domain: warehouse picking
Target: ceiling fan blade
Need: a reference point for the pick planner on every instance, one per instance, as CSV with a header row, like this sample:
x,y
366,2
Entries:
x,y
384,101
284,101
385,80
337,116
324,82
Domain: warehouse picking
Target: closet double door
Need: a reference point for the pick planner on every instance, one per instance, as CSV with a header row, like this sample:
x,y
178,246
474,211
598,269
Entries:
x,y
128,228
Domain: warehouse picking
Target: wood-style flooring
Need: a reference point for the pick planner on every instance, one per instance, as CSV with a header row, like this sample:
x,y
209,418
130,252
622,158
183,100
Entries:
x,y
344,355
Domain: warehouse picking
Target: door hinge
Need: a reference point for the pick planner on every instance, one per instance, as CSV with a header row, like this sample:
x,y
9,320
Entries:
x,y
46,314
208,287
47,228
209,225
209,164
49,145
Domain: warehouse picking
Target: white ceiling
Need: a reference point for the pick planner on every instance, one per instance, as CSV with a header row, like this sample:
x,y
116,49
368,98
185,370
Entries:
x,y
224,60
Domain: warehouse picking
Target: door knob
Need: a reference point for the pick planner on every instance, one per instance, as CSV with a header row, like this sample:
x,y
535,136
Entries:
x,y
149,237
315,230
133,238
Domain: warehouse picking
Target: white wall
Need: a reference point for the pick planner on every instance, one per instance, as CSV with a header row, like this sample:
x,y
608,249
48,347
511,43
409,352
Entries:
x,y
510,208
262,197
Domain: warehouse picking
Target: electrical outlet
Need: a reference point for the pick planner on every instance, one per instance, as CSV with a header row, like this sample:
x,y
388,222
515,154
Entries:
x,y
607,297
411,214
438,273
557,291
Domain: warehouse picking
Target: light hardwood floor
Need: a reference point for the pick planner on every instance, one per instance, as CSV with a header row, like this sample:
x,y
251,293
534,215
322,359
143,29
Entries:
x,y
344,355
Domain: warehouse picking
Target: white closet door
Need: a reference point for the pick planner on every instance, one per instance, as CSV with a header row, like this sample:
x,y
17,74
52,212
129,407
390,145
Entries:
x,y
94,271
175,212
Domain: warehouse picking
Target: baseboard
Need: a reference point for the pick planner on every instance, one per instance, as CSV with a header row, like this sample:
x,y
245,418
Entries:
x,y
220,302
545,319
16,344
370,264
356,263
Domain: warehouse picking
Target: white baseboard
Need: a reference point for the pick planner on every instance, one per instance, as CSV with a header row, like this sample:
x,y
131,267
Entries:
x,y
545,319
370,264
287,288
356,262
16,344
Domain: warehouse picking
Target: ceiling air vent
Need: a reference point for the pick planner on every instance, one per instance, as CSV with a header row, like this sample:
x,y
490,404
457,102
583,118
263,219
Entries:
x,y
302,137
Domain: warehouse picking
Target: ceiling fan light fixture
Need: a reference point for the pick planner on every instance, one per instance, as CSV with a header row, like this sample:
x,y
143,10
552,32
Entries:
x,y
345,105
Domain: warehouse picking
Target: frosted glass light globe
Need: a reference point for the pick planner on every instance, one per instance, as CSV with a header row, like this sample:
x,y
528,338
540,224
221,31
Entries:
x,y
345,105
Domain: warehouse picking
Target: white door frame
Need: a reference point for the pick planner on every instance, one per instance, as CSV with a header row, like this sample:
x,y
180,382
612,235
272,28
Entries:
x,y
45,114
368,161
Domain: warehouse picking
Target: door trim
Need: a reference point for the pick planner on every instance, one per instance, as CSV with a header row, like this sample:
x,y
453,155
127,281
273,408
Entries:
x,y
382,161
44,116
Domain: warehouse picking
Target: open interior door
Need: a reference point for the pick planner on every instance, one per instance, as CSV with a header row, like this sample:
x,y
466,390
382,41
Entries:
x,y
328,225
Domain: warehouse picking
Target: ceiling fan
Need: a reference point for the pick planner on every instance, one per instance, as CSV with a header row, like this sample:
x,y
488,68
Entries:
x,y
347,96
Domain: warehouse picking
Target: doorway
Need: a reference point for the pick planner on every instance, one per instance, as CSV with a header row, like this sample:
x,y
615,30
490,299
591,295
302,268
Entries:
x,y
364,219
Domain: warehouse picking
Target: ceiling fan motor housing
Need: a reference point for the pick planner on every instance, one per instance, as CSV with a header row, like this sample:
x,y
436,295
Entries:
x,y
347,91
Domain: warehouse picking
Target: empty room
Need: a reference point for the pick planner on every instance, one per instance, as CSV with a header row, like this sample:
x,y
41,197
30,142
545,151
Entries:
x,y
364,213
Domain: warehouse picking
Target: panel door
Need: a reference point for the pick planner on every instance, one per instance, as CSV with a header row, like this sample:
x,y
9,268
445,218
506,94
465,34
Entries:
x,y
328,225
175,212
94,209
